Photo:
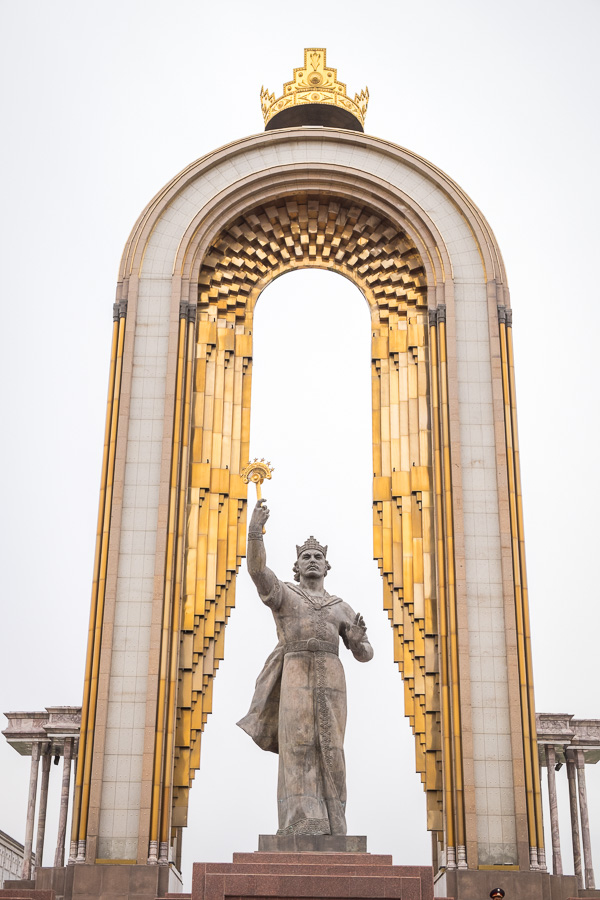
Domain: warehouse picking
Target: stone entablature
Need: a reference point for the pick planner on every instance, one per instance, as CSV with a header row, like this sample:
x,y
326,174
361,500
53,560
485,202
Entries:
x,y
566,732
52,725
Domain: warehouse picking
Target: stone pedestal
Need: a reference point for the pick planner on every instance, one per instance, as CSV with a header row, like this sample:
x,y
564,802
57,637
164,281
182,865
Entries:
x,y
285,876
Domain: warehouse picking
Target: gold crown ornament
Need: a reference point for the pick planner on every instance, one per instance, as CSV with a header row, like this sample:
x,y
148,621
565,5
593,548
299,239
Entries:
x,y
314,87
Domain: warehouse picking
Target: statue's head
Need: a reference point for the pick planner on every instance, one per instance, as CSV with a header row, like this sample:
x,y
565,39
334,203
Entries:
x,y
311,560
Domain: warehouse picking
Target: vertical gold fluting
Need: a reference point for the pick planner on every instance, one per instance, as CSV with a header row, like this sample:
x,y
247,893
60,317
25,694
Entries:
x,y
176,618
442,600
524,694
167,617
90,695
214,527
448,517
94,601
534,808
403,524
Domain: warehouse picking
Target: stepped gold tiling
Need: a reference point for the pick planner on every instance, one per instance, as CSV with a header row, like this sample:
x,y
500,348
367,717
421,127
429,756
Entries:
x,y
323,231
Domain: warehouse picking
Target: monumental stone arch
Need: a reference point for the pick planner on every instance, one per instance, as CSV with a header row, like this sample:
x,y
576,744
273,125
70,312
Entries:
x,y
447,517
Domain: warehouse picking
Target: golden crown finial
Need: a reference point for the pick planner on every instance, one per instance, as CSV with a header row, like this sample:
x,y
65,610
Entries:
x,y
313,84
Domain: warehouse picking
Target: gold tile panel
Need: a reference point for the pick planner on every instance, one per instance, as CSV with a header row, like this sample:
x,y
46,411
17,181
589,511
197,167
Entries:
x,y
523,638
83,775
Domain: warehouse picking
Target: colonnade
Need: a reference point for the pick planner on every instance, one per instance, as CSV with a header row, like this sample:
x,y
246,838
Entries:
x,y
45,736
44,752
564,740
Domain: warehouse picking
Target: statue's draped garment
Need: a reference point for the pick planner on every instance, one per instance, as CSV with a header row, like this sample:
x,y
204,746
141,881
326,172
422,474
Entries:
x,y
299,709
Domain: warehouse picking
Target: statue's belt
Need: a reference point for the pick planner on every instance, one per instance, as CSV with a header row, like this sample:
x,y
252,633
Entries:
x,y
314,645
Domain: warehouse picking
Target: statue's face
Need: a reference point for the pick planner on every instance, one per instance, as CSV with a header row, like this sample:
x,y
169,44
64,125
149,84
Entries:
x,y
312,564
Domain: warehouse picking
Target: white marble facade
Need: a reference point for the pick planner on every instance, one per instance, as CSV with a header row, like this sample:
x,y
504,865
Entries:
x,y
490,721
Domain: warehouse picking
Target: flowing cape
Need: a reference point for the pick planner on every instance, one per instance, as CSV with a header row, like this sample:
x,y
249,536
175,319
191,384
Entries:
x,y
262,720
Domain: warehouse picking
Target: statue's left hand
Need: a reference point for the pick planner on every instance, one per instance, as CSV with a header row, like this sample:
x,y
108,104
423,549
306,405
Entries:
x,y
355,638
357,632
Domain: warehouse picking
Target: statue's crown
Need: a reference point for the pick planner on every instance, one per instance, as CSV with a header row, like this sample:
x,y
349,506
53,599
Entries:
x,y
314,82
311,544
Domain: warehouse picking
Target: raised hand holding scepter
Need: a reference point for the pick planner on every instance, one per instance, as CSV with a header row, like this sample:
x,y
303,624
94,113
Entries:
x,y
256,472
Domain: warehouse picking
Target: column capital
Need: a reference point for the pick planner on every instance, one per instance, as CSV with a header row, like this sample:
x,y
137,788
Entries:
x,y
187,311
119,310
504,315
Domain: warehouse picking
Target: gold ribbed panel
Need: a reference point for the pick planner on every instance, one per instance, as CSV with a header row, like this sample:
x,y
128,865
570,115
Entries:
x,y
320,231
83,776
403,527
528,723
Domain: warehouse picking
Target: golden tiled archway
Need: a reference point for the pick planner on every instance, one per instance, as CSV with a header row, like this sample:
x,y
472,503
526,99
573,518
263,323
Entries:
x,y
207,522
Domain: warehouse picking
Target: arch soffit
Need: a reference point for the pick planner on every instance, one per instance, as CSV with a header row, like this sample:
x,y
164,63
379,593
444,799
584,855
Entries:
x,y
309,228
208,166
274,186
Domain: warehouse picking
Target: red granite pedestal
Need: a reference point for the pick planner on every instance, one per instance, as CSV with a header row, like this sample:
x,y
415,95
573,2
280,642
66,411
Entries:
x,y
310,876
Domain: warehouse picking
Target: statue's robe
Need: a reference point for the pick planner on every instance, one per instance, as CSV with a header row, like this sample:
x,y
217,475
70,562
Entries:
x,y
299,710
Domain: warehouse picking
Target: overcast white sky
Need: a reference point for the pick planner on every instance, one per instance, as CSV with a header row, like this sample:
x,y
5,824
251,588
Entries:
x,y
102,103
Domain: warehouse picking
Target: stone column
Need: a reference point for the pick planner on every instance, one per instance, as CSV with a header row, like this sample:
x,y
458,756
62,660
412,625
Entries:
x,y
574,818
41,829
33,778
73,844
59,856
556,854
585,822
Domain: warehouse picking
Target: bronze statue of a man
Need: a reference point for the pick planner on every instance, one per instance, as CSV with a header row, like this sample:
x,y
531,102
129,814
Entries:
x,y
299,705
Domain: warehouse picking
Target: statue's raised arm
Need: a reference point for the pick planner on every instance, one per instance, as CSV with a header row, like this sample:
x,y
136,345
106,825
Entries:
x,y
264,579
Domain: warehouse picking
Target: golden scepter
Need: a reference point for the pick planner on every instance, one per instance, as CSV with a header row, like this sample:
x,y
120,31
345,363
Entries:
x,y
256,471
